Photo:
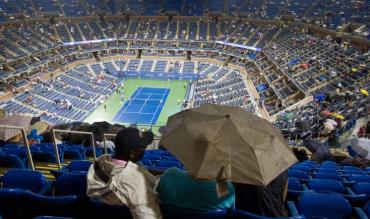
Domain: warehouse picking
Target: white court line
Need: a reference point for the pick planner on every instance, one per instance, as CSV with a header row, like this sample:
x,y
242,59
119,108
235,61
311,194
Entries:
x,y
123,111
167,91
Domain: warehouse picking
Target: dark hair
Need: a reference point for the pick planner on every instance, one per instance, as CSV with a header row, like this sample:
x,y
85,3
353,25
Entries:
x,y
300,154
130,144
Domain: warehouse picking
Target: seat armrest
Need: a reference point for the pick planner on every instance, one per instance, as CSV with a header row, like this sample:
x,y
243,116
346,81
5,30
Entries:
x,y
47,189
359,213
349,191
292,209
305,188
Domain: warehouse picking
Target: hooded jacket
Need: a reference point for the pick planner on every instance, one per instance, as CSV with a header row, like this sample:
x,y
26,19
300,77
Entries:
x,y
129,185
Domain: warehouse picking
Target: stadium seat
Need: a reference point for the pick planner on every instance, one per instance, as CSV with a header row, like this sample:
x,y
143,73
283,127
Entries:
x,y
71,183
73,155
326,185
26,179
328,175
298,174
348,172
12,202
11,161
170,212
321,205
98,209
239,214
78,165
362,188
169,163
73,166
295,188
367,209
359,178
302,168
89,151
64,206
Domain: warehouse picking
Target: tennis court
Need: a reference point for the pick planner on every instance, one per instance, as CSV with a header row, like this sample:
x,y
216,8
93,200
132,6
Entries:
x,y
143,107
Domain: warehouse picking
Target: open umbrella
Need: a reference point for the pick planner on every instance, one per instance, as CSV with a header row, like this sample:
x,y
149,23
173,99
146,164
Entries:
x,y
221,142
13,120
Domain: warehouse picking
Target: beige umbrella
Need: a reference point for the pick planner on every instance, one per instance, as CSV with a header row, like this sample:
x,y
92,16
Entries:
x,y
220,142
2,113
13,120
40,126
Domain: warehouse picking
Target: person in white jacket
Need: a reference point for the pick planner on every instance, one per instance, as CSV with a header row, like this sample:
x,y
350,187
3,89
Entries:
x,y
118,180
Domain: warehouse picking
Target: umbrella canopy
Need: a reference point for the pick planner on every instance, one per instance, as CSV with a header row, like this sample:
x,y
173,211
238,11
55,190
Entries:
x,y
361,146
221,142
35,120
13,120
2,113
40,126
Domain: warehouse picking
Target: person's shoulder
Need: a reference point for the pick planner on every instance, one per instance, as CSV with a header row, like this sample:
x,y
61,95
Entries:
x,y
174,171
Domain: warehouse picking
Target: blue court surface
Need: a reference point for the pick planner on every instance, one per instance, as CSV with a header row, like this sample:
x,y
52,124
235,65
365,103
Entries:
x,y
143,107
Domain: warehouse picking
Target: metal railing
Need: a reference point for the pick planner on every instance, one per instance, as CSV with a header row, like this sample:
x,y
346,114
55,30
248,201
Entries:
x,y
71,132
24,136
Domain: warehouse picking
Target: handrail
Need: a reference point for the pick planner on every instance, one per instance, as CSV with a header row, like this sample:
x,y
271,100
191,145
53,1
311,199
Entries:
x,y
24,136
72,132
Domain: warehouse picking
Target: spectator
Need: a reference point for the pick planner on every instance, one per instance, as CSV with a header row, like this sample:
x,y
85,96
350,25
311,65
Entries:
x,y
118,180
180,189
263,200
362,132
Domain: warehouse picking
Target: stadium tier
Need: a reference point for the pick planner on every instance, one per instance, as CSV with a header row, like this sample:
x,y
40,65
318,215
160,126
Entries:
x,y
201,109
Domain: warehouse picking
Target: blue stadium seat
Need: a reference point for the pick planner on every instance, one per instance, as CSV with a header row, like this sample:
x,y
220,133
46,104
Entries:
x,y
12,202
64,206
367,209
359,178
74,155
11,161
34,181
298,174
353,171
173,212
100,209
239,214
169,163
78,165
328,175
71,183
326,185
295,188
89,151
294,184
321,205
362,188
73,166
302,168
